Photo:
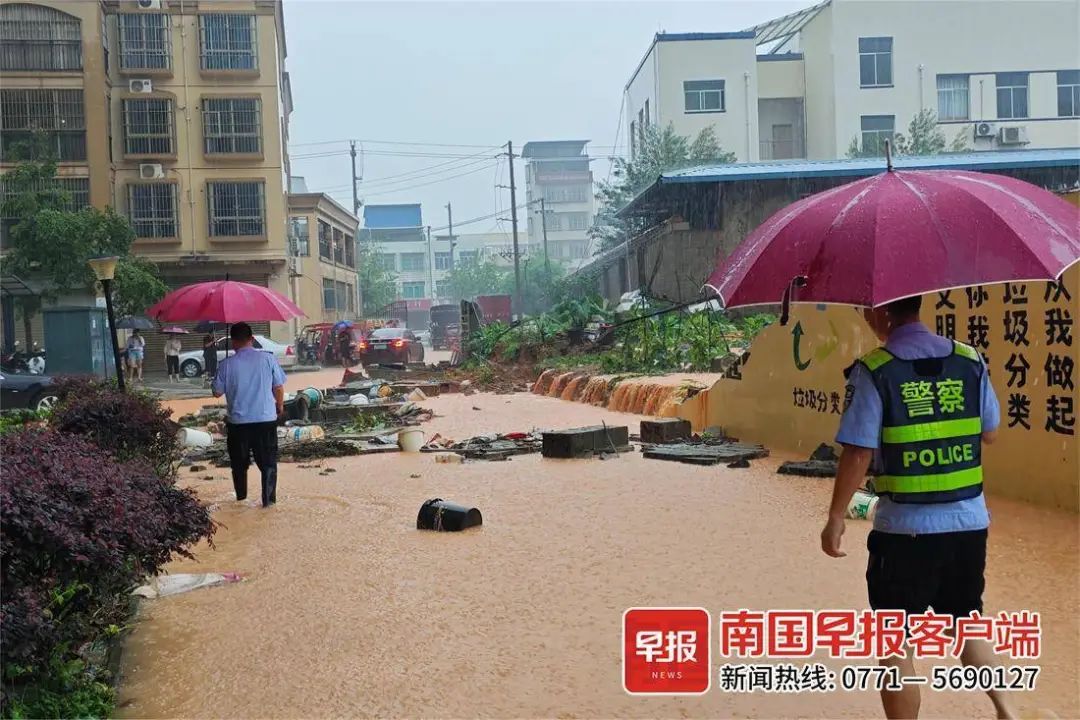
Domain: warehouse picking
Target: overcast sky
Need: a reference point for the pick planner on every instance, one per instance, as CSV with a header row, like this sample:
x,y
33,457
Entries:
x,y
468,75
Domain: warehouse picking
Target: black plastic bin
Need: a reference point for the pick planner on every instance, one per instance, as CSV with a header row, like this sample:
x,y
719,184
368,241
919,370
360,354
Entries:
x,y
437,514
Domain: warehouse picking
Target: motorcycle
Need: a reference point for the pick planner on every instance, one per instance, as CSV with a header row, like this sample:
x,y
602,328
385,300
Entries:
x,y
21,362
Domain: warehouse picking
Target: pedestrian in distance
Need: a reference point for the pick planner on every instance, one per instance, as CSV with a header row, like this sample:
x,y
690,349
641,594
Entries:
x,y
345,349
172,358
209,354
136,349
920,407
254,388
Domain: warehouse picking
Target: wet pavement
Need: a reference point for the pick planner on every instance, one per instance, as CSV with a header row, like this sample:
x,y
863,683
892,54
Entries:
x,y
350,611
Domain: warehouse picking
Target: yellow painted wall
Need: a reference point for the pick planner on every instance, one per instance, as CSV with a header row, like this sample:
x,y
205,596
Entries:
x,y
791,390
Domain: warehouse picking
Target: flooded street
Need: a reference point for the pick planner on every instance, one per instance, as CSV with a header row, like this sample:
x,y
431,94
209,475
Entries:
x,y
347,610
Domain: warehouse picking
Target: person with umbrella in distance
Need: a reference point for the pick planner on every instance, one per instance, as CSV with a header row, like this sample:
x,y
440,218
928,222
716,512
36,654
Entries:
x,y
254,388
136,348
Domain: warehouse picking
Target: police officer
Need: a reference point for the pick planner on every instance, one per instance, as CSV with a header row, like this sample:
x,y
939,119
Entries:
x,y
921,406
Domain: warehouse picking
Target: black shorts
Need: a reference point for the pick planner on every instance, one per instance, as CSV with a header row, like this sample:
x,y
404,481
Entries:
x,y
915,572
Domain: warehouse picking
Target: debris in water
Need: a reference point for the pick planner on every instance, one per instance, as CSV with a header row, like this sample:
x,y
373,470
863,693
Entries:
x,y
196,468
825,453
740,463
706,453
664,430
165,585
810,468
414,475
585,441
437,514
325,448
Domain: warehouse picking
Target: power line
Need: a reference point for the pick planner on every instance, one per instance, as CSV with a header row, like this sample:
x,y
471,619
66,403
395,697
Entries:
x,y
482,218
425,184
407,181
392,142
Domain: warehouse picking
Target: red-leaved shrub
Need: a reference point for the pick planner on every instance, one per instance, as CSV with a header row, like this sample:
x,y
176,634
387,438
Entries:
x,y
79,528
127,424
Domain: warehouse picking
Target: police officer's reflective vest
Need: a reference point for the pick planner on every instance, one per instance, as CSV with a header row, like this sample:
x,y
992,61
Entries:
x,y
931,435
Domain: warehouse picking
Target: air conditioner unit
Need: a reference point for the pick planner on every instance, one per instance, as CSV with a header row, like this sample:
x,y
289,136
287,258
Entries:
x,y
151,171
140,86
1013,135
985,130
148,4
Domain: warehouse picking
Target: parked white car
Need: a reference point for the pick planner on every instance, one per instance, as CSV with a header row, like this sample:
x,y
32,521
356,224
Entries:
x,y
191,362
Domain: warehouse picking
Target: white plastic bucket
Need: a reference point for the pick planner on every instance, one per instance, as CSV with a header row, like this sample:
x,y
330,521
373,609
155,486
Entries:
x,y
862,506
410,439
305,432
190,437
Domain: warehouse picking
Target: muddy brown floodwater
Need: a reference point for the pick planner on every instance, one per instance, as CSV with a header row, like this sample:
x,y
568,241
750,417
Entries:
x,y
348,611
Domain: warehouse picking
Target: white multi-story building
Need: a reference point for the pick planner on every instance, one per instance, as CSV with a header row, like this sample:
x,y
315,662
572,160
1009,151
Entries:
x,y
559,195
998,73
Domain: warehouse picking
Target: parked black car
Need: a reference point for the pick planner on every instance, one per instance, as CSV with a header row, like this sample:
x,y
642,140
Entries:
x,y
389,346
22,390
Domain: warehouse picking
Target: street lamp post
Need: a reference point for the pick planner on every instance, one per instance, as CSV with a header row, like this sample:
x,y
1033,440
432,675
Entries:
x,y
104,269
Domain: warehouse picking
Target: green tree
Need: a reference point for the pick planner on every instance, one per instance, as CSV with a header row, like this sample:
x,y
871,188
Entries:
x,y
541,287
378,283
51,242
924,137
469,279
660,150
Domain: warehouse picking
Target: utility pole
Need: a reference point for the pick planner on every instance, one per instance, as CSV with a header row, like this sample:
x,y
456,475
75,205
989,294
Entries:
x,y
513,221
450,224
543,225
355,179
430,263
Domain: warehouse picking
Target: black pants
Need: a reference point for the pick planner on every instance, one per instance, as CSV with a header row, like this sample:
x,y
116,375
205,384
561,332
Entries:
x,y
939,570
260,440
172,364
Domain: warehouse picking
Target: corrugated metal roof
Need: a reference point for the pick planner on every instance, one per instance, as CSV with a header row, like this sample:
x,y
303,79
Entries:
x,y
861,167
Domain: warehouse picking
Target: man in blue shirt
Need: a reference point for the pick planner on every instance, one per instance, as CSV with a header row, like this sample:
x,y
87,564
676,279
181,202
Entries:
x,y
254,388
928,544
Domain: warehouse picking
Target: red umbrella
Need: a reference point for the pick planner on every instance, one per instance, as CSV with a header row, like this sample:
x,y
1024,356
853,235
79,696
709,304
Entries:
x,y
899,234
224,301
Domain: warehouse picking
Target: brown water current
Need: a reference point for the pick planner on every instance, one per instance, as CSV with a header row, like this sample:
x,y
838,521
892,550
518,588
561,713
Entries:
x,y
348,611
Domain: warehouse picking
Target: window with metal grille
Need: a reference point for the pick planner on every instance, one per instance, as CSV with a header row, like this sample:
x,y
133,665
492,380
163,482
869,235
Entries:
x,y
339,249
342,294
145,41
236,208
412,290
232,125
469,257
413,261
349,243
35,37
351,290
148,126
152,209
299,243
326,249
442,261
875,61
71,194
58,115
228,42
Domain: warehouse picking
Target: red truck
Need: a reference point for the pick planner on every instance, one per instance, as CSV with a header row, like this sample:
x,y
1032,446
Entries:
x,y
494,308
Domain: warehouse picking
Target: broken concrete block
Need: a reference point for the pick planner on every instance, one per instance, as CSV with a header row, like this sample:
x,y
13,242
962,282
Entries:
x,y
824,453
811,468
664,430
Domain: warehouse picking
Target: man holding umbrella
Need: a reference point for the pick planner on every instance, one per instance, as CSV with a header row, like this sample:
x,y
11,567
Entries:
x,y
924,405
921,404
254,388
